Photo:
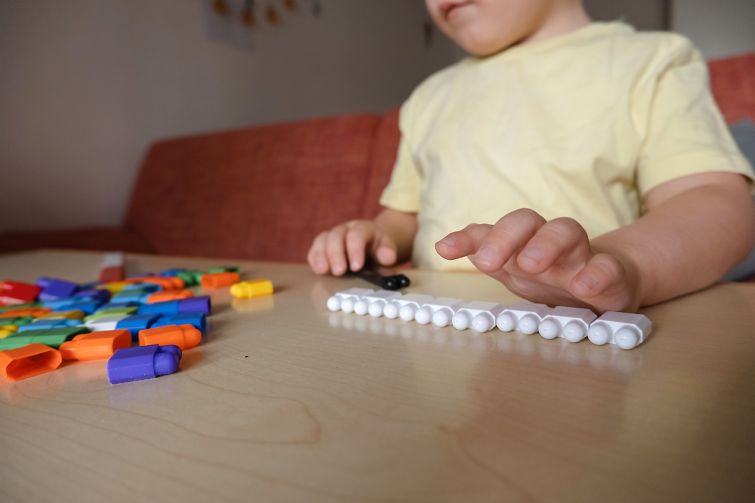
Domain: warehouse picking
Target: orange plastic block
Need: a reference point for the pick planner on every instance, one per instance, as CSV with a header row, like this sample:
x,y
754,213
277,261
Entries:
x,y
95,345
173,283
219,279
28,361
183,336
35,312
74,314
169,295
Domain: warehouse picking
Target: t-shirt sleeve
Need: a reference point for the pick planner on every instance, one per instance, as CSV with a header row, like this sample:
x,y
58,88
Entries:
x,y
685,131
403,190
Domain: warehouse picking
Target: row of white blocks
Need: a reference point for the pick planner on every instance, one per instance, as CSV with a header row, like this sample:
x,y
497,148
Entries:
x,y
625,330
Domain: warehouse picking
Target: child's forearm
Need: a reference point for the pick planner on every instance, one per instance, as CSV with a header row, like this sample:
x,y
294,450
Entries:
x,y
687,241
401,227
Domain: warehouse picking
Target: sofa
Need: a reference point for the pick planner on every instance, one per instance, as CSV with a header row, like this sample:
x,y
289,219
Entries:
x,y
264,192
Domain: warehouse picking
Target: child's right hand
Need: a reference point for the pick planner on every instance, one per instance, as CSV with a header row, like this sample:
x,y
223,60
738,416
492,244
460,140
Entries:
x,y
350,241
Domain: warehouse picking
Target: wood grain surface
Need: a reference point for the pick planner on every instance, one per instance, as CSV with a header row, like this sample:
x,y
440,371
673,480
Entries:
x,y
285,401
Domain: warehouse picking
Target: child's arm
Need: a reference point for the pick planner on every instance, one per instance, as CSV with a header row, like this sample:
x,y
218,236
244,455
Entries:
x,y
388,239
696,228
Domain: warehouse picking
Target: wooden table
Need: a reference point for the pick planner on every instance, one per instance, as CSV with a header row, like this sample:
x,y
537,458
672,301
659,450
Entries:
x,y
285,401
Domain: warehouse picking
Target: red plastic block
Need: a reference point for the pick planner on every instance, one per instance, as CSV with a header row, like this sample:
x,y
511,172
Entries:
x,y
15,292
28,361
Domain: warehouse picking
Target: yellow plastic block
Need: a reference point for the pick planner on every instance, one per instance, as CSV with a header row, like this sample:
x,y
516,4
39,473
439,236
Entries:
x,y
115,286
253,288
74,314
7,330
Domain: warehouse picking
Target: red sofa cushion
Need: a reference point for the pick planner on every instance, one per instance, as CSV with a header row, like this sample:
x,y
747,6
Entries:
x,y
733,85
259,193
382,158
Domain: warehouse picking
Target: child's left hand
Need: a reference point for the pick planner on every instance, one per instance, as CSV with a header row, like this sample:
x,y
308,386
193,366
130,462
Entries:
x,y
549,262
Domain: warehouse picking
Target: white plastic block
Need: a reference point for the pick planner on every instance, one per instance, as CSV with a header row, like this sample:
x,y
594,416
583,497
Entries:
x,y
571,323
405,306
344,301
626,330
479,315
524,317
105,322
373,303
440,311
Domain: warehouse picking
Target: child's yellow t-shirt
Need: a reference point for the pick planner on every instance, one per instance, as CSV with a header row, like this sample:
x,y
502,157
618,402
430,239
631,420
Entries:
x,y
579,125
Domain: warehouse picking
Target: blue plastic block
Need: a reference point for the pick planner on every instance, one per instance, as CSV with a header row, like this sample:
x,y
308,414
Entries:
x,y
134,298
162,308
198,320
51,323
87,306
141,287
169,273
92,294
57,289
142,362
138,322
200,304
116,303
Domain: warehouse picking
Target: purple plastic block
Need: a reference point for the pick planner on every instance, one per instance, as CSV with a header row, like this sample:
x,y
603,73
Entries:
x,y
54,289
142,362
43,281
199,304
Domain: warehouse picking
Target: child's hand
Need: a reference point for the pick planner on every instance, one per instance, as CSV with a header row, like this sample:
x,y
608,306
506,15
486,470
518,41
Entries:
x,y
549,262
352,240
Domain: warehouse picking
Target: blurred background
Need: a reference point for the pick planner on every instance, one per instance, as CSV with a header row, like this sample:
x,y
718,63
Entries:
x,y
87,85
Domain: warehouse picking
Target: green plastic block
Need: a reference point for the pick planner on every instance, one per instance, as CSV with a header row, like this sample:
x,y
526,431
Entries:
x,y
52,337
28,305
188,278
111,311
21,320
224,268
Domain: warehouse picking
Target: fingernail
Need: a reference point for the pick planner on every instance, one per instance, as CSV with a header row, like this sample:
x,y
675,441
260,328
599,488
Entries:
x,y
338,269
447,241
533,254
587,282
487,254
356,265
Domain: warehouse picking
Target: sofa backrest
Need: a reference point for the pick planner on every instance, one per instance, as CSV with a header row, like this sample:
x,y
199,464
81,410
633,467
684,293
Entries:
x,y
264,192
259,193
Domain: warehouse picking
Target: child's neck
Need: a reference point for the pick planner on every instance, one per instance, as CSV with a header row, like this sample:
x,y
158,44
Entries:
x,y
564,17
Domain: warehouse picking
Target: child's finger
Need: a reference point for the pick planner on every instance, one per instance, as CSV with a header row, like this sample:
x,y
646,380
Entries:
x,y
462,243
335,250
383,249
316,255
508,235
552,241
601,272
356,243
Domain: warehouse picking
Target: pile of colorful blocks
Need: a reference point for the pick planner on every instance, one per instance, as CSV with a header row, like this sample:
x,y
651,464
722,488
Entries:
x,y
53,320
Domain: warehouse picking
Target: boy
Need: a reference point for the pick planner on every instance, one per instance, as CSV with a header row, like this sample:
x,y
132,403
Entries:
x,y
598,152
